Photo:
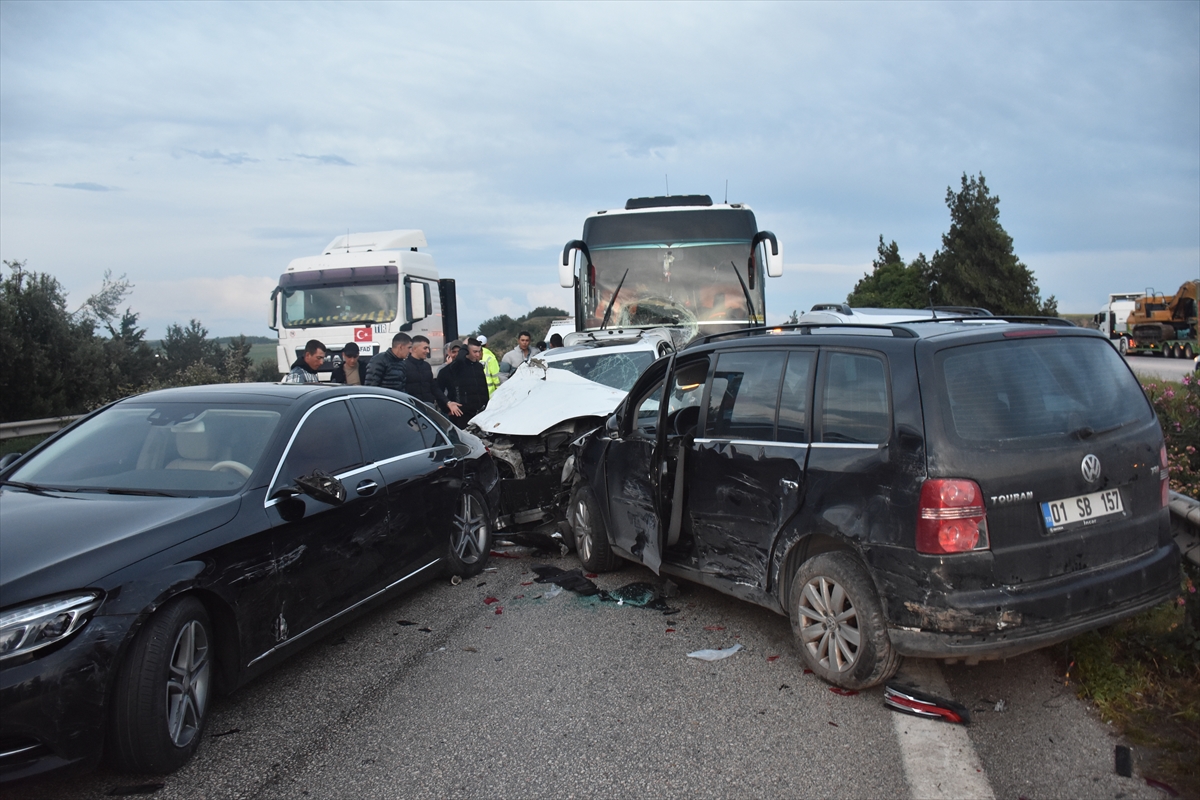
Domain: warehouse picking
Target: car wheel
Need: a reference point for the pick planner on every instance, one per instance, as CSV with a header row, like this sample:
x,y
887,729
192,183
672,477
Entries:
x,y
591,537
838,622
471,535
161,694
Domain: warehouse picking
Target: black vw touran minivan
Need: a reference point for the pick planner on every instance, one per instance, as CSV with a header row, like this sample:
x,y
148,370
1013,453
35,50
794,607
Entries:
x,y
950,488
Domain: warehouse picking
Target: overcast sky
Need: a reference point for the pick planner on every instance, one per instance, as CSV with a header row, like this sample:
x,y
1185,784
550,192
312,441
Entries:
x,y
198,148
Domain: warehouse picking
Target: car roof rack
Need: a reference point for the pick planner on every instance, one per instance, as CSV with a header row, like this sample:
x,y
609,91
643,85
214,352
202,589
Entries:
x,y
897,329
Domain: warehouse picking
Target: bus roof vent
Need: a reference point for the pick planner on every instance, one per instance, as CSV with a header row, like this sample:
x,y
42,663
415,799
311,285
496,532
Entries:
x,y
667,202
379,240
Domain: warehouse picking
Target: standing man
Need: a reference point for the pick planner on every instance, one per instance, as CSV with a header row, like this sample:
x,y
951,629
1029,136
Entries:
x,y
517,356
420,383
464,382
349,371
305,368
387,368
491,366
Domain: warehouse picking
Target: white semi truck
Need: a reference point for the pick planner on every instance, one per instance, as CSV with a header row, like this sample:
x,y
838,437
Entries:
x,y
363,288
1111,318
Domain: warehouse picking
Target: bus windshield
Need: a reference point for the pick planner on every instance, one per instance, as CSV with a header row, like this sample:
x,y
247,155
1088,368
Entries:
x,y
673,268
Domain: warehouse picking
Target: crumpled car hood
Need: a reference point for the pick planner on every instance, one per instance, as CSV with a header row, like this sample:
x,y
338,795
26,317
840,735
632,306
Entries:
x,y
536,399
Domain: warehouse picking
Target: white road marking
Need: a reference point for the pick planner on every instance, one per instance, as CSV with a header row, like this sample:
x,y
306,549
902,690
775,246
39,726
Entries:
x,y
939,759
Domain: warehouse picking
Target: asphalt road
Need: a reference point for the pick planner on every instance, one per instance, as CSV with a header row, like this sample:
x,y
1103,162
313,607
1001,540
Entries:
x,y
1158,367
566,696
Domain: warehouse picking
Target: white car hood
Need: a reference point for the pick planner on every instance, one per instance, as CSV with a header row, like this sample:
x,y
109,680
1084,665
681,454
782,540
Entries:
x,y
537,398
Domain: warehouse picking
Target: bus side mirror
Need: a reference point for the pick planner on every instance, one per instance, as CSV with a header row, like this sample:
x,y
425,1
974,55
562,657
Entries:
x,y
773,251
566,271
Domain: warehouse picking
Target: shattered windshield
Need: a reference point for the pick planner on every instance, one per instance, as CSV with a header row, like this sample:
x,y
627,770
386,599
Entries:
x,y
615,370
678,268
178,449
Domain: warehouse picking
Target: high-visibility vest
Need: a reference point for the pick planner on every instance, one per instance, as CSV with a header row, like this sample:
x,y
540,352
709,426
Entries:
x,y
491,371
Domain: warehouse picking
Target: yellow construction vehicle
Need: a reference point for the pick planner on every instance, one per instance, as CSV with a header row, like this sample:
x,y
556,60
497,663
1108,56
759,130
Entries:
x,y
1165,323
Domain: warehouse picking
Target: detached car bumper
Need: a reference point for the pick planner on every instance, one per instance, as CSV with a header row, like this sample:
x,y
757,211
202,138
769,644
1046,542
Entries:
x,y
1010,620
53,706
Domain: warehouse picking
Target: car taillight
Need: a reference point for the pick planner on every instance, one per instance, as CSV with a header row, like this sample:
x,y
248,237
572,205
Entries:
x,y
951,518
1163,476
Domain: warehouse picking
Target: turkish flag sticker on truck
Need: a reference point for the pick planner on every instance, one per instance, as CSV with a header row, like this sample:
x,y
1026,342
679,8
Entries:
x,y
362,334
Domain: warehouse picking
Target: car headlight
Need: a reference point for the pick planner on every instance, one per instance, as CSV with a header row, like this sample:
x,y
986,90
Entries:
x,y
30,627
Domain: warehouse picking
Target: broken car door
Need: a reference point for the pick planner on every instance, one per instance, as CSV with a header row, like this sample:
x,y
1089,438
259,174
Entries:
x,y
746,471
632,471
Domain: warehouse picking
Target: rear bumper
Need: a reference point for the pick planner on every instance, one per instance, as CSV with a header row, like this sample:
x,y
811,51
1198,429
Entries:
x,y
1010,620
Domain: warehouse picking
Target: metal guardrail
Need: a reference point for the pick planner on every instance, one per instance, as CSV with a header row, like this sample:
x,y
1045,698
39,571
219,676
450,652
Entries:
x,y
1185,525
35,427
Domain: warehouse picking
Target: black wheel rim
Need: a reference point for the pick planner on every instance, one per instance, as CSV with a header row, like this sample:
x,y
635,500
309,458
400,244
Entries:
x,y
188,683
470,530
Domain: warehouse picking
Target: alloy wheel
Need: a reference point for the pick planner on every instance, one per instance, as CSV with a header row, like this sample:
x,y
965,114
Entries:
x,y
470,530
188,683
829,624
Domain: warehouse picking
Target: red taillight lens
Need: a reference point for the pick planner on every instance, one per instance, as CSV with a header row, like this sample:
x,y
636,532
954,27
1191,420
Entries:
x,y
951,518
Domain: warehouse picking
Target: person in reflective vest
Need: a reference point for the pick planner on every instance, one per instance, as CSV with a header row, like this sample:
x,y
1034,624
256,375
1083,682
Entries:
x,y
491,367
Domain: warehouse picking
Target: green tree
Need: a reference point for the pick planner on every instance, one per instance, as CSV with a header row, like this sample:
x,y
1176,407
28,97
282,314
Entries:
x,y
184,347
892,283
490,327
544,311
976,265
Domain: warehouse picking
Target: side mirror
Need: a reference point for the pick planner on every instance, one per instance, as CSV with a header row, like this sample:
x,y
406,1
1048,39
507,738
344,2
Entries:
x,y
773,251
323,487
9,458
612,424
566,270
273,314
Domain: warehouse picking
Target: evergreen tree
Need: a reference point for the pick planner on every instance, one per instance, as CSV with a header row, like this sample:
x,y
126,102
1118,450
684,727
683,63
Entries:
x,y
976,265
892,283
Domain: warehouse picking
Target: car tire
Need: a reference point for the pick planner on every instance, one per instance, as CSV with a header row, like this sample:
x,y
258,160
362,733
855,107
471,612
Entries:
x,y
471,535
838,622
591,537
161,694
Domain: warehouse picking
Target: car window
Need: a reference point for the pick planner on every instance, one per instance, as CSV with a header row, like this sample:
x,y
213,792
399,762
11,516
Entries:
x,y
392,428
326,441
1032,388
793,400
745,390
854,407
646,411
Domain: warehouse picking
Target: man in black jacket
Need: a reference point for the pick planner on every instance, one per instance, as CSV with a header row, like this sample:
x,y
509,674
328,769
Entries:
x,y
463,381
387,368
419,381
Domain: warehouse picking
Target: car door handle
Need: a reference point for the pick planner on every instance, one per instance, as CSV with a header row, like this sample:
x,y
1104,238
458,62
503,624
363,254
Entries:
x,y
366,488
788,485
450,462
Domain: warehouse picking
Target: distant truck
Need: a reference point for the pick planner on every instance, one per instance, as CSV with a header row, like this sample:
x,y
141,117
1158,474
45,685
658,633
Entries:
x,y
363,288
1112,318
1165,324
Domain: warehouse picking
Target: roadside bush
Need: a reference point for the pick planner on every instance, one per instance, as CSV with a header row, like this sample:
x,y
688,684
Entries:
x,y
1178,408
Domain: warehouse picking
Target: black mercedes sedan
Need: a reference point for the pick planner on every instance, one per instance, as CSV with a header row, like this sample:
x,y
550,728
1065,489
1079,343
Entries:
x,y
181,542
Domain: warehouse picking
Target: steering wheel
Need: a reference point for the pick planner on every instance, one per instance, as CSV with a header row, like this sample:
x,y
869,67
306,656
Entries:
x,y
236,466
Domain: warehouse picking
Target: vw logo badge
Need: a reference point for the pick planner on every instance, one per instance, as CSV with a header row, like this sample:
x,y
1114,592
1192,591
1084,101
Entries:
x,y
1090,468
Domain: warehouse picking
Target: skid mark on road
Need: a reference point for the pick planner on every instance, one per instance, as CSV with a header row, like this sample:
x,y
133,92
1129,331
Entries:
x,y
939,759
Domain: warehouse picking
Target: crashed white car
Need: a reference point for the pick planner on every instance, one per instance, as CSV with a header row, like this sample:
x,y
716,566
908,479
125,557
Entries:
x,y
550,401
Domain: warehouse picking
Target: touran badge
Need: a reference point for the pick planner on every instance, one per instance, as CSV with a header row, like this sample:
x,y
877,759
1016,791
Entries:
x,y
1090,468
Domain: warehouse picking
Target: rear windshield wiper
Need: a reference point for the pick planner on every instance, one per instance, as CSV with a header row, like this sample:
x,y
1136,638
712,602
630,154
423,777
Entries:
x,y
29,487
1087,432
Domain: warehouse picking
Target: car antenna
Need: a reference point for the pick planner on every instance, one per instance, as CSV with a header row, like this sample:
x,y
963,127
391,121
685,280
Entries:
x,y
727,195
667,181
932,307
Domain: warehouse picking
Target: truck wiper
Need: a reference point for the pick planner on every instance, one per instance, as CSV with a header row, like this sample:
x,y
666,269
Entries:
x,y
613,299
746,293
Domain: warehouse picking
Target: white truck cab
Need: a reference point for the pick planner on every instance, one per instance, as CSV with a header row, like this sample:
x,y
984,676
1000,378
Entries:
x,y
363,288
1112,318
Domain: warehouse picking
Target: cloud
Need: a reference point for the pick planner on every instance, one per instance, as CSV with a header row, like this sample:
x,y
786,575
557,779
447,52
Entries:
x,y
327,159
227,158
87,187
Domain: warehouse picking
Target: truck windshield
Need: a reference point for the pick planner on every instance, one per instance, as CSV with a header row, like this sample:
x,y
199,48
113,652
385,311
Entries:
x,y
678,269
330,298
